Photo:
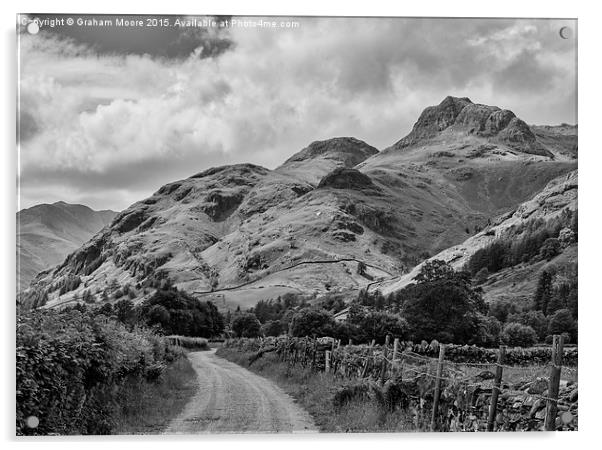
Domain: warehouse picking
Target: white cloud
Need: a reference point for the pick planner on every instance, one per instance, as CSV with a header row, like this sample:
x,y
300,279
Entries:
x,y
111,129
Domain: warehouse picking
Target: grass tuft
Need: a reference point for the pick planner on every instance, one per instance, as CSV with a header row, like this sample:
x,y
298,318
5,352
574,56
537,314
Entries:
x,y
149,407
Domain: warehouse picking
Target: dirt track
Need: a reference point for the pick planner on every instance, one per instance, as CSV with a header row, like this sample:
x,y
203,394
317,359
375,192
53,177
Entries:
x,y
230,399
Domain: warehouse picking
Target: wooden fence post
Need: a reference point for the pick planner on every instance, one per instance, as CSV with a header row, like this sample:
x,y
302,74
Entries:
x,y
495,392
383,370
366,362
554,383
437,393
327,361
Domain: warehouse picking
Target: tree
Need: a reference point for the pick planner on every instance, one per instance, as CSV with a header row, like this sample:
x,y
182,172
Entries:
x,y
246,325
361,268
488,331
562,322
124,310
543,293
534,319
442,305
378,324
177,312
106,309
312,322
501,310
434,271
549,249
272,328
158,314
518,335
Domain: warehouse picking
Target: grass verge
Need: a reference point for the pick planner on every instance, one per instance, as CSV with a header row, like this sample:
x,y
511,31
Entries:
x,y
148,407
315,392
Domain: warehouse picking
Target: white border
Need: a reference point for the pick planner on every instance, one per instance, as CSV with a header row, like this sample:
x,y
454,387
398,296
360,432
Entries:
x,y
590,218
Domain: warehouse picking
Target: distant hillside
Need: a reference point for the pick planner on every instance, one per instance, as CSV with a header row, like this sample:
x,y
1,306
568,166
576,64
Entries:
x,y
48,233
238,234
516,283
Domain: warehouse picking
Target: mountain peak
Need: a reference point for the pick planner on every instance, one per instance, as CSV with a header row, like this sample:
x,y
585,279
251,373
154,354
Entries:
x,y
461,116
350,150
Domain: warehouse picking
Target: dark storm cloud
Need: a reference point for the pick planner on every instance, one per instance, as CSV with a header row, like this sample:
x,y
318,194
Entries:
x,y
525,73
167,42
27,126
119,175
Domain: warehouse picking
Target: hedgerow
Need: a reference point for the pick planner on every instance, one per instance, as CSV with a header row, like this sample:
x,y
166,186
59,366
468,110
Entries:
x,y
70,366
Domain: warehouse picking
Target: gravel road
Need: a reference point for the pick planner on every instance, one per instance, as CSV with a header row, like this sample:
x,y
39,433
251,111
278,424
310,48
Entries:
x,y
230,399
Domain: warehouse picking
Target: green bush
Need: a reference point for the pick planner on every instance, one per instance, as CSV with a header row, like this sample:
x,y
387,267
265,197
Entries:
x,y
518,335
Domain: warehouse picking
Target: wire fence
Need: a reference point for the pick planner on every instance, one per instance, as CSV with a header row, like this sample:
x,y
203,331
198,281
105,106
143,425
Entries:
x,y
521,389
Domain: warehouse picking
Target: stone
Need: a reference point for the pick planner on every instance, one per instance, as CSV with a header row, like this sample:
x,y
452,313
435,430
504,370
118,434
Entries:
x,y
566,418
537,406
539,386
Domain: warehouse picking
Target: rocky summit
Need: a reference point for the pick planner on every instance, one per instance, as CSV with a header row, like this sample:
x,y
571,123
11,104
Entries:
x,y
238,234
462,116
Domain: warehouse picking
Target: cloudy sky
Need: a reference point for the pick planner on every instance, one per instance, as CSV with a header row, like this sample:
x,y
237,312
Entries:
x,y
109,114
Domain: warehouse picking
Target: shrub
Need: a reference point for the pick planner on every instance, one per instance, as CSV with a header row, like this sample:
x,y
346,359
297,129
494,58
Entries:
x,y
70,365
518,335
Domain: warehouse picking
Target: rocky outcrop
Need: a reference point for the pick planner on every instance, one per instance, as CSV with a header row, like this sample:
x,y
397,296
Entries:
x,y
463,116
343,178
433,120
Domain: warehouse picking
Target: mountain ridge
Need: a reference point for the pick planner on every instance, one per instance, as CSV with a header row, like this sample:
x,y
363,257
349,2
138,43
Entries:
x,y
47,232
330,204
